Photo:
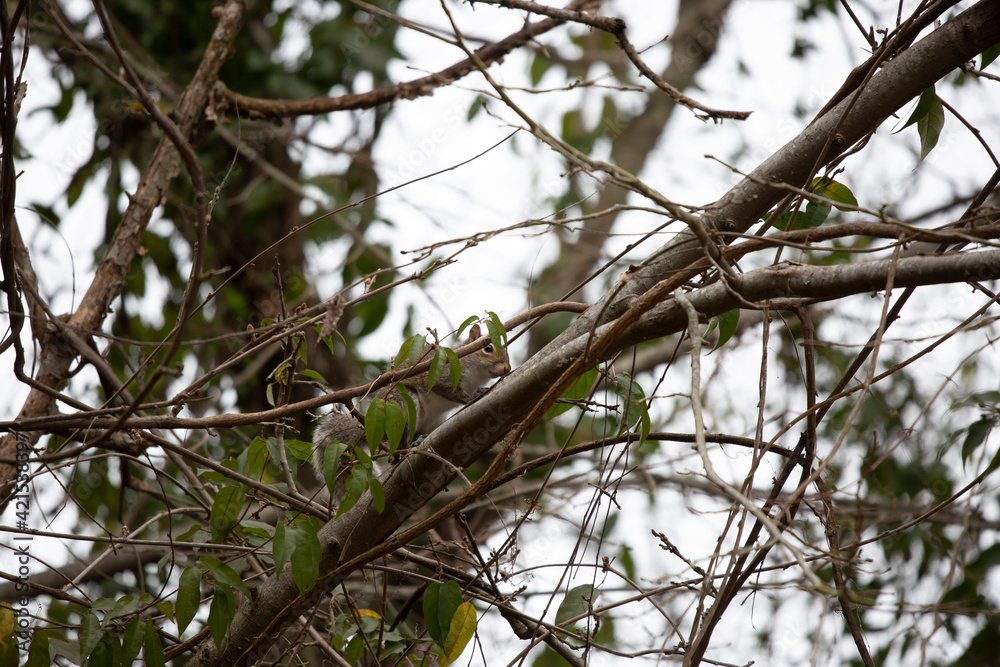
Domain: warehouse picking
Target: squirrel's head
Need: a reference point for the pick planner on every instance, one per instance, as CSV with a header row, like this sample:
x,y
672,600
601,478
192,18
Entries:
x,y
489,362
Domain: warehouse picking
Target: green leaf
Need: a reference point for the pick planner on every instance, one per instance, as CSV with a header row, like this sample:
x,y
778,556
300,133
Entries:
x,y
627,388
378,495
188,597
331,461
478,103
256,457
728,322
635,404
441,601
269,393
577,603
408,405
781,221
311,374
221,613
300,449
358,482
929,128
152,647
580,388
645,424
835,191
437,368
78,181
990,397
462,327
460,631
225,574
253,459
929,117
46,213
38,652
281,371
628,563
305,557
395,424
257,534
410,350
282,547
994,463
976,435
454,368
364,459
497,333
539,66
375,423
103,604
103,654
328,341
355,649
68,650
226,511
166,607
8,621
10,654
132,640
214,477
123,606
814,215
989,55
90,633
922,109
302,353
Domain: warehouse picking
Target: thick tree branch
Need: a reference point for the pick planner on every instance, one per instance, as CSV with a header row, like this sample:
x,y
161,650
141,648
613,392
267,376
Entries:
x,y
783,281
693,43
899,81
362,534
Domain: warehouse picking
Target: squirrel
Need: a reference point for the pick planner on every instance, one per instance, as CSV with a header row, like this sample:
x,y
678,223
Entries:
x,y
433,404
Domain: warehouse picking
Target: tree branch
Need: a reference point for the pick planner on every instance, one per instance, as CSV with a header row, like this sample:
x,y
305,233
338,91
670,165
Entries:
x,y
252,107
362,534
55,359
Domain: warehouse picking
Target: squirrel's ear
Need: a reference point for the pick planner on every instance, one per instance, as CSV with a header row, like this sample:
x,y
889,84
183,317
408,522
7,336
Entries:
x,y
474,333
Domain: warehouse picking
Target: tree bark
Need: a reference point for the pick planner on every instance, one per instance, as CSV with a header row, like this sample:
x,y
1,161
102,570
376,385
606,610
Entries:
x,y
55,358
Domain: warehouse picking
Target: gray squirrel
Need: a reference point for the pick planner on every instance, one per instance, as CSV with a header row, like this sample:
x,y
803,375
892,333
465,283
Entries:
x,y
432,404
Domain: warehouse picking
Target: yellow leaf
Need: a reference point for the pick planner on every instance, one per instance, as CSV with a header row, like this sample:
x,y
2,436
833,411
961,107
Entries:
x,y
6,625
463,626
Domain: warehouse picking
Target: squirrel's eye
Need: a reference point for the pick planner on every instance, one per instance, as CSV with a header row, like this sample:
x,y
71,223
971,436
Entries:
x,y
488,349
